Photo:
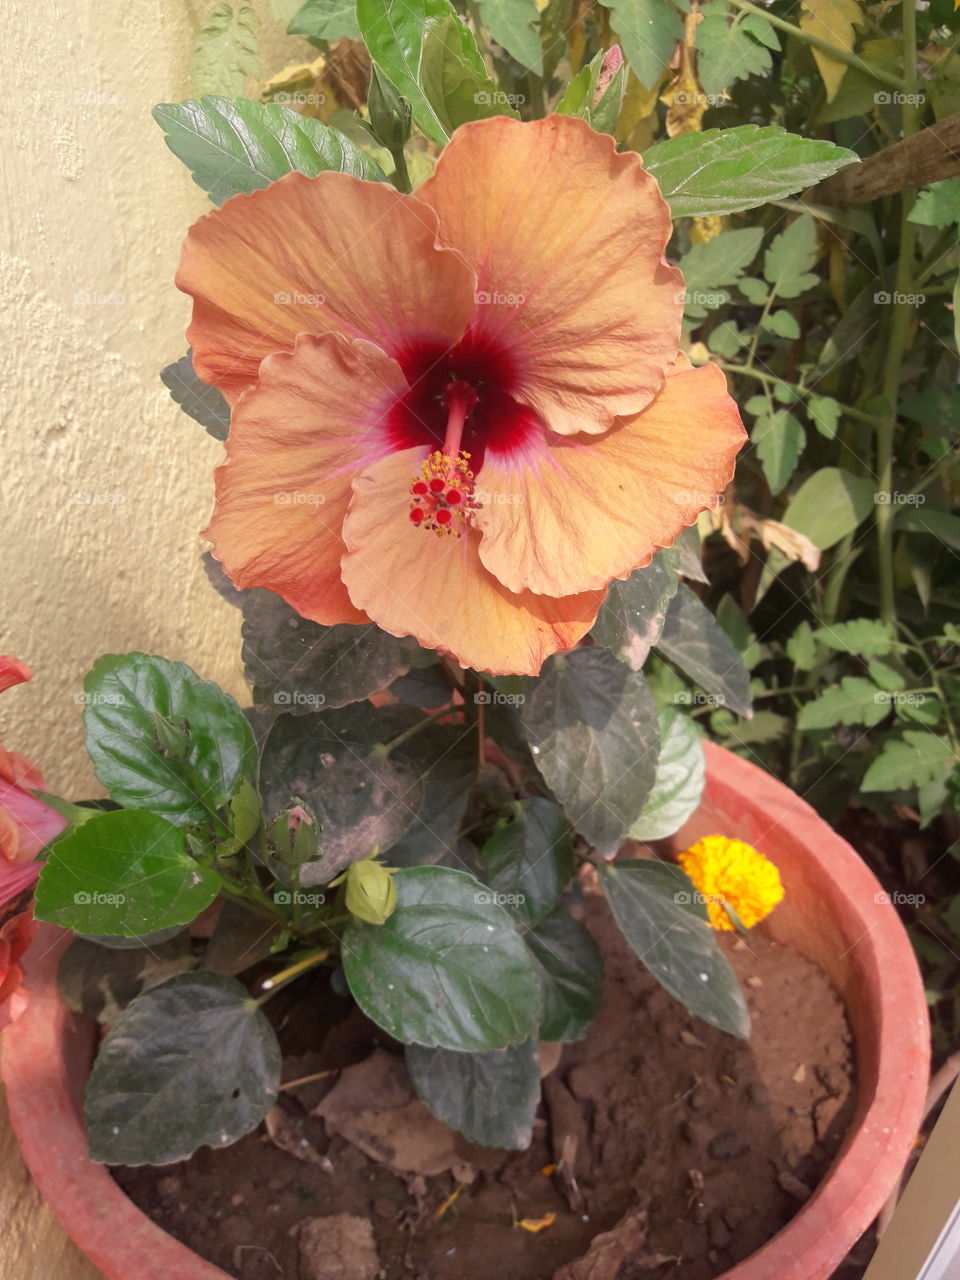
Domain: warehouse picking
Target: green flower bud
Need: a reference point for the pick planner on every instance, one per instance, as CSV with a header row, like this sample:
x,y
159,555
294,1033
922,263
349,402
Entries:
x,y
172,736
294,835
371,892
389,113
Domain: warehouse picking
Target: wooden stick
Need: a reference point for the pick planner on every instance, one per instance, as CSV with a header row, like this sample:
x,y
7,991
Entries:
x,y
927,156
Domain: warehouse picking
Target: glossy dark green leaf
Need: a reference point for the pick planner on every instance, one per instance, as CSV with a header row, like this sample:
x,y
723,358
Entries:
x,y
203,403
592,727
529,860
125,873
447,970
233,145
681,772
491,1098
456,88
443,757
298,666
160,738
571,971
513,24
695,643
191,1063
396,32
726,170
333,763
634,612
656,908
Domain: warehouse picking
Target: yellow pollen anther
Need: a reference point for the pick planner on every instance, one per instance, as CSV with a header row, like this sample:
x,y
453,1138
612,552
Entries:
x,y
442,495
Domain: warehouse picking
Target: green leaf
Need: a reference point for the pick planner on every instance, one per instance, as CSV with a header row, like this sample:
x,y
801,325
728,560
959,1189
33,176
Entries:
x,y
203,403
867,637
695,643
687,555
233,146
443,758
326,20
918,759
710,265
648,31
395,33
296,665
734,50
655,906
529,860
938,205
571,972
828,505
192,1062
727,170
779,439
448,968
825,415
782,323
333,762
681,771
791,254
941,524
802,648
855,701
727,339
456,88
123,873
225,55
632,617
593,730
513,24
132,703
491,1098
755,291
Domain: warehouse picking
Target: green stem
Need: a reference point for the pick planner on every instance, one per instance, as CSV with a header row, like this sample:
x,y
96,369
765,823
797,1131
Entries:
x,y
387,747
749,372
842,55
402,174
899,333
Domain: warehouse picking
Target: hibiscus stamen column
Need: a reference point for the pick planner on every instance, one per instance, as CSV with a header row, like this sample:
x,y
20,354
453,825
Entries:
x,y
442,497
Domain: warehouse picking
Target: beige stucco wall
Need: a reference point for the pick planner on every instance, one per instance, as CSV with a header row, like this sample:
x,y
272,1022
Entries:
x,y
93,210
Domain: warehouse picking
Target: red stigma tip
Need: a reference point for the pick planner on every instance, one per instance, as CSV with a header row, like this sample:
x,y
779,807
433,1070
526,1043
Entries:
x,y
419,488
454,497
443,516
441,499
436,486
416,515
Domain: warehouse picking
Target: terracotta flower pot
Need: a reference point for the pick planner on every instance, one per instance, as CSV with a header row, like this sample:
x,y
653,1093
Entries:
x,y
835,913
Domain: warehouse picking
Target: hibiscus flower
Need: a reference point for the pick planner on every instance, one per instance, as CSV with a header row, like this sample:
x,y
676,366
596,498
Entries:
x,y
459,413
26,825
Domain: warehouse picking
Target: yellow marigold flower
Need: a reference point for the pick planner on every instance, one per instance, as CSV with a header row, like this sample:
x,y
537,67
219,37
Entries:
x,y
731,873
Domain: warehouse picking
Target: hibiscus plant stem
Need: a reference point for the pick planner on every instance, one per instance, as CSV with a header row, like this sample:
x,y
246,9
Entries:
x,y
824,46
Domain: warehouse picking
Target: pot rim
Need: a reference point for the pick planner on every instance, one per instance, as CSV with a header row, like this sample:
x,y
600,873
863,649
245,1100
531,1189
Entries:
x,y
48,1046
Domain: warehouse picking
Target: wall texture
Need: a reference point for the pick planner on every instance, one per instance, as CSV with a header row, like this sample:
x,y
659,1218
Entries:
x,y
104,484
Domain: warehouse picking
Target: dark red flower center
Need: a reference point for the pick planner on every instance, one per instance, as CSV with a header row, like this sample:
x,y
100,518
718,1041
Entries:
x,y
479,374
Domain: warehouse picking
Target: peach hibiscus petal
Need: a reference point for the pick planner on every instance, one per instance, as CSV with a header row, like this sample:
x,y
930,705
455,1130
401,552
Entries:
x,y
568,514
298,437
316,255
566,237
13,672
415,582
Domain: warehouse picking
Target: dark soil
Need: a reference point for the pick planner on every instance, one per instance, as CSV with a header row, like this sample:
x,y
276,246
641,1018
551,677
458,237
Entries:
x,y
701,1146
